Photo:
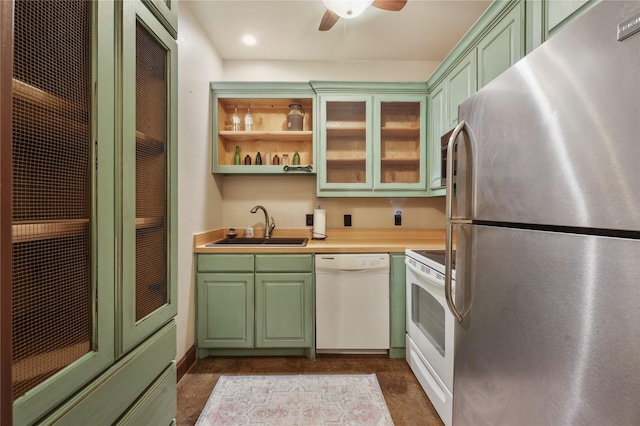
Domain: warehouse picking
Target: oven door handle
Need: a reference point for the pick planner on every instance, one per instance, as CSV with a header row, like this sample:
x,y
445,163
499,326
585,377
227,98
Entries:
x,y
433,281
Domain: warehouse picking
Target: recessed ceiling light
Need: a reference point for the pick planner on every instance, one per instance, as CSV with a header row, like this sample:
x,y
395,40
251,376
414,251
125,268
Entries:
x,y
249,40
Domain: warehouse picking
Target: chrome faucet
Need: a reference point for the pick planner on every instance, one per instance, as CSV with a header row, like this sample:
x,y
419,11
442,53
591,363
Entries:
x,y
268,227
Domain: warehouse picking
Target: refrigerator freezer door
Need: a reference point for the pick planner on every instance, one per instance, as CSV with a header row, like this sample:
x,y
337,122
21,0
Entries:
x,y
553,334
558,133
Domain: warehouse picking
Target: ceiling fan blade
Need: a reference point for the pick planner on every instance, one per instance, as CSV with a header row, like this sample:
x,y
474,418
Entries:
x,y
392,5
328,20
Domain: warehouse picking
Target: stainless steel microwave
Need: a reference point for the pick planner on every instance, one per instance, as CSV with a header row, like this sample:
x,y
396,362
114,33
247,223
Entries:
x,y
444,142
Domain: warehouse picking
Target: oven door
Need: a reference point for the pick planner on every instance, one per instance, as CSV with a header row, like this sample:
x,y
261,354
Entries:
x,y
429,323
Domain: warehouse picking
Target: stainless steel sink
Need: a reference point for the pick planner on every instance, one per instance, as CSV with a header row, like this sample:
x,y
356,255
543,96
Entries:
x,y
261,242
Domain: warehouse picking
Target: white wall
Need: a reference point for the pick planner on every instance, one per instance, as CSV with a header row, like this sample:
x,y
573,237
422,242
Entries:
x,y
289,198
199,195
328,70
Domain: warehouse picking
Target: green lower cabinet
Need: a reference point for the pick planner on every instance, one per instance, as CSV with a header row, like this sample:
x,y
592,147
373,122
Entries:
x,y
225,310
284,310
398,302
255,305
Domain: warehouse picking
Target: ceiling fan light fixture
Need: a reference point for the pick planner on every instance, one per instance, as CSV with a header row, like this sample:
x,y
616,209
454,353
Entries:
x,y
347,9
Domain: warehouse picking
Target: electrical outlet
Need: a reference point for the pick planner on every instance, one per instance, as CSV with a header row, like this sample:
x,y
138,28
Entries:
x,y
347,220
397,218
309,220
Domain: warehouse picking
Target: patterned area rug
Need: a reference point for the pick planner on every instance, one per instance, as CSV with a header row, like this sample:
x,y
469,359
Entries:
x,y
352,399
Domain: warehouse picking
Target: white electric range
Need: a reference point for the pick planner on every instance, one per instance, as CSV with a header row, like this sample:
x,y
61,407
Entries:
x,y
430,326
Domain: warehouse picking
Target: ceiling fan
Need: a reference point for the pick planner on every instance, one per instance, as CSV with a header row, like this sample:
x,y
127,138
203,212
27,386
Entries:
x,y
349,9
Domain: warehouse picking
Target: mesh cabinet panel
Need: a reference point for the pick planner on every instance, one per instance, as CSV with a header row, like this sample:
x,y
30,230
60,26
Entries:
x,y
51,193
151,166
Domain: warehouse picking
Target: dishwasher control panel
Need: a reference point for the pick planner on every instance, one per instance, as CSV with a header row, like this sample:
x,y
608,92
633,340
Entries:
x,y
368,261
327,263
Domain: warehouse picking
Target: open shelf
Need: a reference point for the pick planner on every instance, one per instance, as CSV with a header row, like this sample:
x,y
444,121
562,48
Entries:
x,y
147,141
46,229
269,134
32,95
401,161
149,222
401,132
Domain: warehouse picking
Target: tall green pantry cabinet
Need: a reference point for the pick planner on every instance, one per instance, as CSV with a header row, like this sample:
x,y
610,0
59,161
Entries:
x,y
88,214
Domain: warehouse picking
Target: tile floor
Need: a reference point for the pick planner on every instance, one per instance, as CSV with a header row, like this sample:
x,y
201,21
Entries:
x,y
406,400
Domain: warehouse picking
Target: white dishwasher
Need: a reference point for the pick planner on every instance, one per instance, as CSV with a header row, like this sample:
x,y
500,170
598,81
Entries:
x,y
352,303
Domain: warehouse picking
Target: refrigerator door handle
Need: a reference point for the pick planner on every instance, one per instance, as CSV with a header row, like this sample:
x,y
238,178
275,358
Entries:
x,y
451,221
448,281
451,150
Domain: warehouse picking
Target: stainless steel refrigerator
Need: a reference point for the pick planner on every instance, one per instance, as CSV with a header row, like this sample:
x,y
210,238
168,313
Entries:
x,y
544,213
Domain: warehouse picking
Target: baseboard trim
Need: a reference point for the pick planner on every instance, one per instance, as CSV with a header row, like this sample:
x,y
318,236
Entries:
x,y
187,361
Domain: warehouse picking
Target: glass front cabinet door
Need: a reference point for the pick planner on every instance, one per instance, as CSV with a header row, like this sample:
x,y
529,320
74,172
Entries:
x,y
372,143
345,148
400,144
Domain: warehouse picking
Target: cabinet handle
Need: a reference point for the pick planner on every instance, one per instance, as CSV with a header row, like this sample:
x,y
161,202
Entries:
x,y
298,168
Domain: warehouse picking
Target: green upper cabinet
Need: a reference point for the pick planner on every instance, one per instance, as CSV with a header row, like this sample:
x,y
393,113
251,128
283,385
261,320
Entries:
x,y
461,83
149,175
445,98
560,12
494,44
371,139
438,126
547,17
501,47
166,11
281,126
345,152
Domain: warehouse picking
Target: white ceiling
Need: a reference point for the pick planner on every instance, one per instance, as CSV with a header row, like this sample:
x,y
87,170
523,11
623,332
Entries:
x,y
424,30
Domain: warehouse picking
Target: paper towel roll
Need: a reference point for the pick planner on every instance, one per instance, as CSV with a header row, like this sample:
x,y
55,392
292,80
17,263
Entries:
x,y
319,224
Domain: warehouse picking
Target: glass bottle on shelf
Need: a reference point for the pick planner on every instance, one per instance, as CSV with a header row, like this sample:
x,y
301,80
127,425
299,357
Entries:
x,y
235,120
296,158
247,160
267,158
276,160
258,159
236,157
285,159
248,120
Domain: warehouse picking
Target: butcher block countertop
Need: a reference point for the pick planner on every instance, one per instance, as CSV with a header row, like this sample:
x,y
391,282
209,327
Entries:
x,y
337,241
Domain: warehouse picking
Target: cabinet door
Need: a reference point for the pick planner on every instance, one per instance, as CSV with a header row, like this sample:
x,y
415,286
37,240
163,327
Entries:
x,y
167,12
225,310
345,148
560,12
61,223
149,189
398,301
284,310
439,126
461,84
501,47
399,143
